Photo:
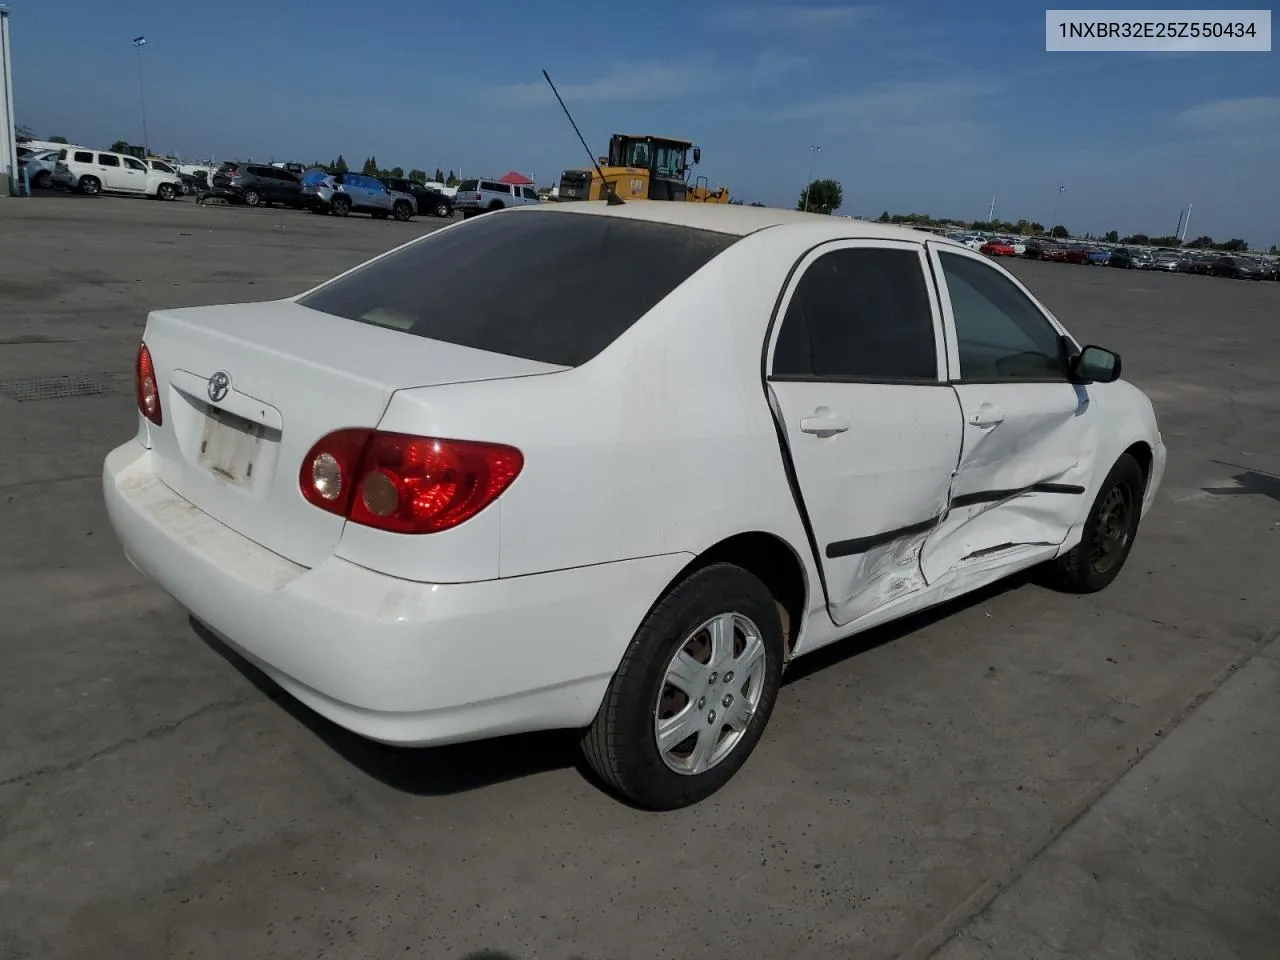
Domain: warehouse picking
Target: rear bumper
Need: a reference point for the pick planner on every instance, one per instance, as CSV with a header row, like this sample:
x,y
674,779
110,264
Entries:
x,y
392,660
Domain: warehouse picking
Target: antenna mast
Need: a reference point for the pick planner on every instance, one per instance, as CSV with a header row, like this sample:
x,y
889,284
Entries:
x,y
611,197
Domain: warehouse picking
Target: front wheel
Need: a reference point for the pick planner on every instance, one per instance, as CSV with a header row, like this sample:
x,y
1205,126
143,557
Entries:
x,y
43,180
693,693
166,192
442,210
1109,531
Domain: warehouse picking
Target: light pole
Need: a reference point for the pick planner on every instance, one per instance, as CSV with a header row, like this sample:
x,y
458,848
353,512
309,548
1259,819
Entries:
x,y
138,44
1053,221
8,146
814,150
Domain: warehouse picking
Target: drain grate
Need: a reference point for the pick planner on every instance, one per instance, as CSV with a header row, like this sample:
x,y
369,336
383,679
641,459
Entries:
x,y
54,388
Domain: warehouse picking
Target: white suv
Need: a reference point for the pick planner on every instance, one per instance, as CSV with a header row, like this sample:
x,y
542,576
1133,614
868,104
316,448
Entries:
x,y
97,171
477,196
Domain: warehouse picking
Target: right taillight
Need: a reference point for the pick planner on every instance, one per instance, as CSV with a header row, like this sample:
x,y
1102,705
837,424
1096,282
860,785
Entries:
x,y
146,390
403,483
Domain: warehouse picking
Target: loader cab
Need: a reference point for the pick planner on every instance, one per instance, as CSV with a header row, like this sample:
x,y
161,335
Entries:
x,y
665,160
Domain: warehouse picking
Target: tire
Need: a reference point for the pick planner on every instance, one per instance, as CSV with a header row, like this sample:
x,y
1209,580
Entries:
x,y
251,198
91,186
621,745
442,210
165,192
496,205
340,206
402,211
1079,570
43,180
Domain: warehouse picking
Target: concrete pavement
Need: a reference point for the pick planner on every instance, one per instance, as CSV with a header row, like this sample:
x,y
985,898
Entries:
x,y
159,798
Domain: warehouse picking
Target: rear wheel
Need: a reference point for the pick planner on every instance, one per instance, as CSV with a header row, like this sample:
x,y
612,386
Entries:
x,y
1109,531
43,180
402,211
252,198
90,185
340,206
496,205
693,693
442,210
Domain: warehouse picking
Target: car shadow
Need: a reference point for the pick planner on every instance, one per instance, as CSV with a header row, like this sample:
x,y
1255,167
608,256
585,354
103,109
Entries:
x,y
1249,483
459,768
423,771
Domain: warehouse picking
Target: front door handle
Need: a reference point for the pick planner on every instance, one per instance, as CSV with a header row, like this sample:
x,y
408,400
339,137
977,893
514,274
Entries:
x,y
987,415
823,423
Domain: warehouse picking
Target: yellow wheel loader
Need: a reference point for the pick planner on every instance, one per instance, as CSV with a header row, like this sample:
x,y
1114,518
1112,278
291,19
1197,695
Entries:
x,y
642,167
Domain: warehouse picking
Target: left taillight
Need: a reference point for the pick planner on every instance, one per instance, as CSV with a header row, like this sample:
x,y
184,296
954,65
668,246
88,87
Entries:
x,y
146,389
403,483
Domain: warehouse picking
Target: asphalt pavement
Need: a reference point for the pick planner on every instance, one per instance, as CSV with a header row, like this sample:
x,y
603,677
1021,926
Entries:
x,y
1021,774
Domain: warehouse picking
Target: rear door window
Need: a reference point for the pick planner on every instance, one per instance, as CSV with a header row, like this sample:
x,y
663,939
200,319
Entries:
x,y
499,283
860,313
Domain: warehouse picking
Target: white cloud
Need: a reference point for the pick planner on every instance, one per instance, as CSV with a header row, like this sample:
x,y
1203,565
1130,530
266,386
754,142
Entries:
x,y
1243,117
810,21
624,82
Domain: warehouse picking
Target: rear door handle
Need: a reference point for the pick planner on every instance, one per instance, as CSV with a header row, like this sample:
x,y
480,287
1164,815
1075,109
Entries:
x,y
823,423
987,415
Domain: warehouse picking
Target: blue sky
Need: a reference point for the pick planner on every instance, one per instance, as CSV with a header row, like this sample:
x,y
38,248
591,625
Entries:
x,y
918,106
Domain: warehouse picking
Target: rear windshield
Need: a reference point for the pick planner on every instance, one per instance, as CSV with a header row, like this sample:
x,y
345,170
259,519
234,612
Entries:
x,y
553,287
469,186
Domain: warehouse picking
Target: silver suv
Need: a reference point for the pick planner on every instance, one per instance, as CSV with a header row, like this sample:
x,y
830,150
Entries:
x,y
479,196
344,193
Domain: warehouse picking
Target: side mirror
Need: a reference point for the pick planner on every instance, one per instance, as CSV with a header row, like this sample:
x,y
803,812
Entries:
x,y
697,154
1095,365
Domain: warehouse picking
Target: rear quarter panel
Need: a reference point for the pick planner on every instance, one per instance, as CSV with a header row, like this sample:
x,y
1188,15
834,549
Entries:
x,y
664,443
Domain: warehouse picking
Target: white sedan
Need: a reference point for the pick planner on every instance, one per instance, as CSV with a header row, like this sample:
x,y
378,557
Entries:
x,y
621,482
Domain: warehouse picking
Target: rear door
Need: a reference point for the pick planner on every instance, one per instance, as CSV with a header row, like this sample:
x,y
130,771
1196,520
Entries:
x,y
856,377
1029,434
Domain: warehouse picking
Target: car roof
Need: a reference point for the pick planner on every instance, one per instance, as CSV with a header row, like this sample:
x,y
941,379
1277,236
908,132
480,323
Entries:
x,y
737,220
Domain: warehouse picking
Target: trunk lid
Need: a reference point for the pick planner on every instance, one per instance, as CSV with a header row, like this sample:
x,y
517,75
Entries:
x,y
247,389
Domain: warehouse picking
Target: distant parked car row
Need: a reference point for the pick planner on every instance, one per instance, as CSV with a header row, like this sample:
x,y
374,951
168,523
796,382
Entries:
x,y
1208,262
320,191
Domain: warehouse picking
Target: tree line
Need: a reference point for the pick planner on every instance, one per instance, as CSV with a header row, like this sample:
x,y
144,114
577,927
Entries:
x,y
370,168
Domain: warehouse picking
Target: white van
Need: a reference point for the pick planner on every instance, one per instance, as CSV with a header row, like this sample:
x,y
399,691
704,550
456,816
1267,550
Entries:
x,y
100,171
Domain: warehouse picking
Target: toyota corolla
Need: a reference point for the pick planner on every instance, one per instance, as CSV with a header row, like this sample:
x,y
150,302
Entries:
x,y
620,485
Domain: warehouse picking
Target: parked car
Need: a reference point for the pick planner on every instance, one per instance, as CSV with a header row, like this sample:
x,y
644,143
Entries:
x,y
1099,256
258,184
1172,261
1202,261
437,510
480,196
39,165
1130,258
997,248
1237,268
1075,253
429,202
344,193
1043,248
98,171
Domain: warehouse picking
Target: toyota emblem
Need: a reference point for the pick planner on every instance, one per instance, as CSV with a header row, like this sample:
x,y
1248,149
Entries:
x,y
219,384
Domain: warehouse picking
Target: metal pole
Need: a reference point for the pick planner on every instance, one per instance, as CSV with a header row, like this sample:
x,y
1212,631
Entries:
x,y
1178,230
138,44
814,150
1054,218
1186,223
8,147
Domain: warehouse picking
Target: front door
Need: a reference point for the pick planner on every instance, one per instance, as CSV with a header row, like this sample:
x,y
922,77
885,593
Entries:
x,y
870,423
1029,433
111,172
135,175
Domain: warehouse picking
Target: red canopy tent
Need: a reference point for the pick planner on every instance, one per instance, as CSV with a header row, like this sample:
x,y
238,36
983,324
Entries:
x,y
518,179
